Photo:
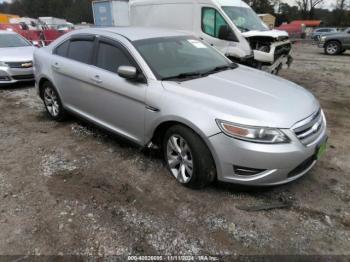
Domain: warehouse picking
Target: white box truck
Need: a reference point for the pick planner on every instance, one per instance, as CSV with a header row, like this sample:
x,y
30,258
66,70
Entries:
x,y
229,25
111,12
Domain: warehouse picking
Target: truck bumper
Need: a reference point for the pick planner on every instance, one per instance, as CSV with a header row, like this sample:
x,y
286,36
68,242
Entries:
x,y
282,62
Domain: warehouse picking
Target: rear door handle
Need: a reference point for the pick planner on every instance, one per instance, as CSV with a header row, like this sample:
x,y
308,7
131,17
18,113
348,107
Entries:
x,y
96,79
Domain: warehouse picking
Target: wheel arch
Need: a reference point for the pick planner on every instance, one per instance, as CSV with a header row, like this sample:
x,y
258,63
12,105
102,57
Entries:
x,y
160,130
334,40
41,84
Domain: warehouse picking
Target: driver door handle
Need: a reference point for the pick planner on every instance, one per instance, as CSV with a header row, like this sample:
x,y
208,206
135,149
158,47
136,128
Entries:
x,y
96,79
56,66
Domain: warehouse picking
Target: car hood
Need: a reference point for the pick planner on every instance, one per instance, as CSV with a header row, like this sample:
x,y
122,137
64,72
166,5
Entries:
x,y
270,33
17,54
248,96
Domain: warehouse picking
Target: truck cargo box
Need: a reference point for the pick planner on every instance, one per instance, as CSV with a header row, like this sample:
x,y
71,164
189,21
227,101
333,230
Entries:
x,y
111,12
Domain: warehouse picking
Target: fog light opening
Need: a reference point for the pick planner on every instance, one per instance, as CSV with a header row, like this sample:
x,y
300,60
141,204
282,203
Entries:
x,y
247,171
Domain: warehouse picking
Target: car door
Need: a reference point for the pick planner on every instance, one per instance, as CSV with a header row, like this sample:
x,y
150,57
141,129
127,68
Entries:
x,y
210,23
347,39
73,73
117,102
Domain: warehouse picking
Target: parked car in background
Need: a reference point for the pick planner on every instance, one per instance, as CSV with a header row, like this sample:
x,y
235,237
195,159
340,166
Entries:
x,y
335,44
317,33
16,58
211,118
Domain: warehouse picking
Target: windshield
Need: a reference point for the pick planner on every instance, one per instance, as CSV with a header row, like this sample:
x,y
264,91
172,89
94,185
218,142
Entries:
x,y
180,57
244,18
12,40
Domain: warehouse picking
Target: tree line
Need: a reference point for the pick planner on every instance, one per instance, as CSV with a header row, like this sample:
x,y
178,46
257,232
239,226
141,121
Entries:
x,y
306,10
77,11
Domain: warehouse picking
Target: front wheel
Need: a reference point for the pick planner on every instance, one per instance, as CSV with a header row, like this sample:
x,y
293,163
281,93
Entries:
x,y
53,102
332,48
188,158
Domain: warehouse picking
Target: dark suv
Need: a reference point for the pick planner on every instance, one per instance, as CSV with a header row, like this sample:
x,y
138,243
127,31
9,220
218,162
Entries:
x,y
335,44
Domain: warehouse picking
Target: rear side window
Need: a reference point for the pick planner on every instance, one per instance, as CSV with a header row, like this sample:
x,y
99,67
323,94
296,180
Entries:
x,y
81,50
110,57
62,50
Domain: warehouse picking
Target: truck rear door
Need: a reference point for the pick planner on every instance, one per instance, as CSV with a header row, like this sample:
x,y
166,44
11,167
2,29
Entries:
x,y
102,13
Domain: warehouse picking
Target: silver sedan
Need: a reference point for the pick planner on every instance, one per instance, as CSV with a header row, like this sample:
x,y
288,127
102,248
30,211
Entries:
x,y
16,58
211,118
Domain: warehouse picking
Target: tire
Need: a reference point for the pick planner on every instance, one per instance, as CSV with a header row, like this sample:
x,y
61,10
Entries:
x,y
52,102
332,48
187,158
343,51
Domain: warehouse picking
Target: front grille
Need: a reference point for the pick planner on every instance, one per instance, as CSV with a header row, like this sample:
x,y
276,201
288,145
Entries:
x,y
309,129
24,64
302,167
283,50
23,77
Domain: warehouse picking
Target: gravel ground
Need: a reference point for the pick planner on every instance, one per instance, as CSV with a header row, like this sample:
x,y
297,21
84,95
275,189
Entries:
x,y
72,189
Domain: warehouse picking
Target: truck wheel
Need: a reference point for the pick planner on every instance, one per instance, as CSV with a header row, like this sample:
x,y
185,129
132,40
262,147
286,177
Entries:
x,y
188,158
332,48
53,102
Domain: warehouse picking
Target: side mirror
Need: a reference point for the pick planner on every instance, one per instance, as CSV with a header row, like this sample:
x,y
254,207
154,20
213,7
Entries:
x,y
225,33
127,72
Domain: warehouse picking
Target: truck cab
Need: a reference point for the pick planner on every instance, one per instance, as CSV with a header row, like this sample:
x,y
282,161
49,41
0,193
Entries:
x,y
229,25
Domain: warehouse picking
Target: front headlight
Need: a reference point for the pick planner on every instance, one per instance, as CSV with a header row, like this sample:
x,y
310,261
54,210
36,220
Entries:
x,y
3,64
264,135
323,38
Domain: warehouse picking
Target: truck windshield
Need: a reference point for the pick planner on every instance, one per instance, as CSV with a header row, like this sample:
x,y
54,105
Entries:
x,y
244,18
181,58
12,40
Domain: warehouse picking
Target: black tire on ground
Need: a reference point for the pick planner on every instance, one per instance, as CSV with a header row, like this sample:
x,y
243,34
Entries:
x,y
204,171
332,48
47,91
343,51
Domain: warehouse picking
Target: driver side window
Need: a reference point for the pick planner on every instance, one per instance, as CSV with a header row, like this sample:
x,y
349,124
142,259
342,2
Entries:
x,y
212,20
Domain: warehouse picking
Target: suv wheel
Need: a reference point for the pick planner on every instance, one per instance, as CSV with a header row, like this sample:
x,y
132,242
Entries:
x,y
332,48
188,158
53,102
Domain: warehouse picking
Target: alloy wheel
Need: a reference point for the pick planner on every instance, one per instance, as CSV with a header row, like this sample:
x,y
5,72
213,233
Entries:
x,y
179,158
332,48
51,102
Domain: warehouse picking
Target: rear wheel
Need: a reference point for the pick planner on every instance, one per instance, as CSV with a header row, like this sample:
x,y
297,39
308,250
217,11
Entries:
x,y
332,48
53,102
188,158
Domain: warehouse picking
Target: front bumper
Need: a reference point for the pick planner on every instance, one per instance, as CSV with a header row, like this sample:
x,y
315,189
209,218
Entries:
x,y
279,163
13,75
321,44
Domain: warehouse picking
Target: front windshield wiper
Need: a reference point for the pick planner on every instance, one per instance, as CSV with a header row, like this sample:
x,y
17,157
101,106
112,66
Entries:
x,y
244,29
220,68
183,76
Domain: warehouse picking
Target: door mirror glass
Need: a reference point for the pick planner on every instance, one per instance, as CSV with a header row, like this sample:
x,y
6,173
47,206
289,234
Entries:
x,y
225,33
127,72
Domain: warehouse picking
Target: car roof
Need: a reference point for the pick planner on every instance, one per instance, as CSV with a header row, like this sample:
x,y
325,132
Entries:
x,y
134,33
